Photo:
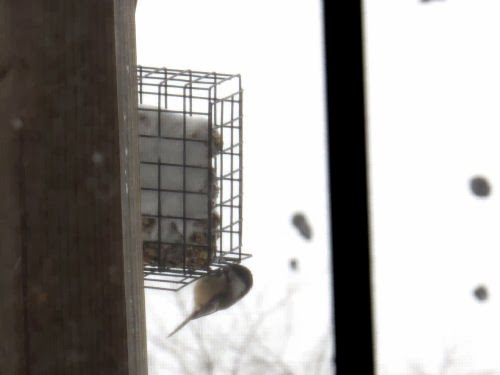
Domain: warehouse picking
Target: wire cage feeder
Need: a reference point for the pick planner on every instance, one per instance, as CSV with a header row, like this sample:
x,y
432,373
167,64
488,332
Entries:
x,y
190,145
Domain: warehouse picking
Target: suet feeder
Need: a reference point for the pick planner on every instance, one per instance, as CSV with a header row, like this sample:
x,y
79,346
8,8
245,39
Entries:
x,y
190,145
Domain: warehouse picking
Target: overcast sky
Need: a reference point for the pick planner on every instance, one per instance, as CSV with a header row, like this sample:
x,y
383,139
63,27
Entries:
x,y
277,47
432,103
433,86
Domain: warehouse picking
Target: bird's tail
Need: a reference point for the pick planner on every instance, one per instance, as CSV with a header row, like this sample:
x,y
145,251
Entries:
x,y
186,321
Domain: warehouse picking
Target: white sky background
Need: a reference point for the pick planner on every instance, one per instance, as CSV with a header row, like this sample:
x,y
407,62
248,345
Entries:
x,y
277,47
433,84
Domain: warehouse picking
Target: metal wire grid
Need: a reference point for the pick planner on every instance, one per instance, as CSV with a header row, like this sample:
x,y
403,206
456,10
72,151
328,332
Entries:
x,y
219,98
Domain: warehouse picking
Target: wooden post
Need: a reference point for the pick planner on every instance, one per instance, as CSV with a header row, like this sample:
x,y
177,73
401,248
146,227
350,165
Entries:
x,y
71,288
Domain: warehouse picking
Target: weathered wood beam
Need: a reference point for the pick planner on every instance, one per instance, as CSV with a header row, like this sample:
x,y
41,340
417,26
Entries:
x,y
70,259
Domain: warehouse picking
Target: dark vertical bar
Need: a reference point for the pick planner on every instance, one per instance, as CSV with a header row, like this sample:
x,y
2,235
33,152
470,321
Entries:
x,y
212,165
224,174
221,157
240,121
160,258
210,135
232,172
184,154
348,181
190,92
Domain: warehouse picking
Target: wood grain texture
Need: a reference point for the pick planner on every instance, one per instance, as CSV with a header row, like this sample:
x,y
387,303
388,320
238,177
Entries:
x,y
69,218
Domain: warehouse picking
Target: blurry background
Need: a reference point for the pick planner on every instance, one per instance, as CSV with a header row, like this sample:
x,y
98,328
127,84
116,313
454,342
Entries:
x,y
283,326
433,91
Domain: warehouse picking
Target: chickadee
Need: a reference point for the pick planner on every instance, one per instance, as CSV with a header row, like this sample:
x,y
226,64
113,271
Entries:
x,y
218,291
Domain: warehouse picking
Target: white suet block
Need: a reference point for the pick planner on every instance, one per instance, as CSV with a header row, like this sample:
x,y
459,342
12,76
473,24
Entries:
x,y
185,178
